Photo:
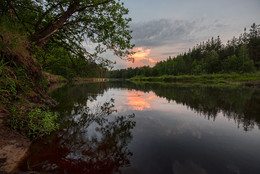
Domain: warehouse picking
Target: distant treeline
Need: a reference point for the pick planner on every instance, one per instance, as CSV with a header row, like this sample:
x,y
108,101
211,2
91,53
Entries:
x,y
239,55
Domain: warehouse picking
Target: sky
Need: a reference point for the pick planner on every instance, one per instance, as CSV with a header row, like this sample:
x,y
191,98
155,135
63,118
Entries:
x,y
163,28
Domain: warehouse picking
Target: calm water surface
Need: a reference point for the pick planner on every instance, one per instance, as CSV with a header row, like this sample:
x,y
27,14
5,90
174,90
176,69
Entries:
x,y
151,128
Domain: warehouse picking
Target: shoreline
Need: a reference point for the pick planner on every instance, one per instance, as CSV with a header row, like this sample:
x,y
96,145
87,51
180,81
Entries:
x,y
247,80
13,147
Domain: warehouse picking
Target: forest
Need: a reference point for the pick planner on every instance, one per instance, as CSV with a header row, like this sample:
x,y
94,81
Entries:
x,y
239,55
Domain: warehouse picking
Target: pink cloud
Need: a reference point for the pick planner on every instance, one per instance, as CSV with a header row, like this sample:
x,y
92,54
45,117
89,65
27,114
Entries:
x,y
141,58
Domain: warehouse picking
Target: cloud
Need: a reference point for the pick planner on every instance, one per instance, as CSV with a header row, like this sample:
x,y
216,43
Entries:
x,y
171,53
141,52
156,40
142,57
161,32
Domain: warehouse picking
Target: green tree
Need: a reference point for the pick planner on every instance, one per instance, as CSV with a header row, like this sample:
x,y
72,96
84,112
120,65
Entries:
x,y
68,22
254,44
211,62
196,67
246,65
232,64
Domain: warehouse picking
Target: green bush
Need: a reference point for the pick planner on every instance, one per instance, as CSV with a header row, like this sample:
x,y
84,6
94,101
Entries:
x,y
41,123
37,124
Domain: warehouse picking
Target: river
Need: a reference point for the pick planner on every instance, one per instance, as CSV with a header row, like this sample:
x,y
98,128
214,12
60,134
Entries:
x,y
124,127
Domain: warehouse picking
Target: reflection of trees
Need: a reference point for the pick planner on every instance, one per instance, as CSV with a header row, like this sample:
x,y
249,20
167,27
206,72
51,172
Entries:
x,y
92,142
74,97
239,104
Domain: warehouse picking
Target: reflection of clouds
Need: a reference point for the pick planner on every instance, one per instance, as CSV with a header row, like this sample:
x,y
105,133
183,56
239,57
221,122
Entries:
x,y
196,134
184,128
188,167
233,168
139,100
138,103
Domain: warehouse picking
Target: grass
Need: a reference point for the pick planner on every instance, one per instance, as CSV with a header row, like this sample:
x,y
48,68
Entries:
x,y
221,79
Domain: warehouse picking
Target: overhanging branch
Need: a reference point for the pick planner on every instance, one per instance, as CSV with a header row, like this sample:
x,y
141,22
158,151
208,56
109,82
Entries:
x,y
16,14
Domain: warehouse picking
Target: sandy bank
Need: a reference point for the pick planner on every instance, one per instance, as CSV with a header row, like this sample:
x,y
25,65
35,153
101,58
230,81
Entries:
x,y
13,147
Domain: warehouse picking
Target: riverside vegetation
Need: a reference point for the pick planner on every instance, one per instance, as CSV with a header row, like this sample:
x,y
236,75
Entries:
x,y
48,36
210,61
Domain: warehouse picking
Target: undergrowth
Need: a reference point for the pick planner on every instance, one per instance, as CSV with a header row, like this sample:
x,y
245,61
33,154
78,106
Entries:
x,y
35,123
23,115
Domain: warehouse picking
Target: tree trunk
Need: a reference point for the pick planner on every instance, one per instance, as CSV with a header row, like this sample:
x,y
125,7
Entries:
x,y
42,36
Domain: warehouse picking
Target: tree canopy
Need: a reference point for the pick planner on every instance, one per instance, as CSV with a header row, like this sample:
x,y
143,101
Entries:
x,y
69,23
67,26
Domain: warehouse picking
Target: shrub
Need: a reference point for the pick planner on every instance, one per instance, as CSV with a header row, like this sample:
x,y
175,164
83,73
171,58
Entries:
x,y
37,124
41,123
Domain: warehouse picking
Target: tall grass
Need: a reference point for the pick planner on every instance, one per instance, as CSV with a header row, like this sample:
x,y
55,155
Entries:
x,y
205,78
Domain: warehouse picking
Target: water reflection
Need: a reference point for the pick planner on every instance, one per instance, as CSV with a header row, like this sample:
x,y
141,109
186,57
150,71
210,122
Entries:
x,y
239,104
188,167
138,100
92,141
168,135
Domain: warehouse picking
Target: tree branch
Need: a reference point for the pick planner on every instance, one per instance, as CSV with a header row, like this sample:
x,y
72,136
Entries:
x,y
93,5
16,14
43,16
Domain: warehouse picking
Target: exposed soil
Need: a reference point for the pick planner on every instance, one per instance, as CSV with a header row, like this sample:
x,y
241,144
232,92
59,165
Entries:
x,y
13,147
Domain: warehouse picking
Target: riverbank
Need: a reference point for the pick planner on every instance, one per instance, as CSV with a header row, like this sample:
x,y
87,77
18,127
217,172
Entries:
x,y
247,79
18,101
54,80
13,146
79,80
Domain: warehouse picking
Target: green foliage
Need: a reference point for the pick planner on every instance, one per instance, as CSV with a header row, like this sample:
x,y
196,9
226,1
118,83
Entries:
x,y
232,64
41,123
16,87
196,67
37,124
8,89
223,79
246,65
14,82
16,120
211,62
238,55
57,60
59,30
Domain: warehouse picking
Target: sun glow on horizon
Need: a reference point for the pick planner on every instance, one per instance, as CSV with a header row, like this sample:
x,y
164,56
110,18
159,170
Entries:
x,y
141,57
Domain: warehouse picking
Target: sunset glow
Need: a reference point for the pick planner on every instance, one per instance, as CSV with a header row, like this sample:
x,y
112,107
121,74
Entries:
x,y
141,53
139,100
141,57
